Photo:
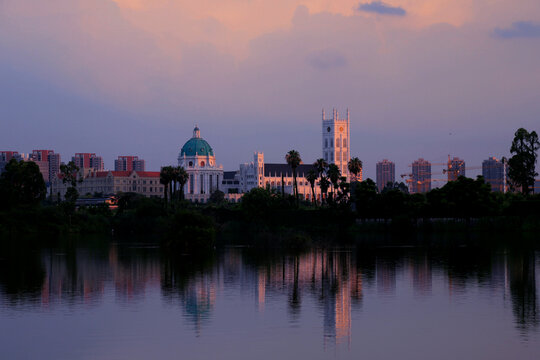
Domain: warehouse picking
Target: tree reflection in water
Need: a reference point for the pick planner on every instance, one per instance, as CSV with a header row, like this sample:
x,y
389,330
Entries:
x,y
521,269
337,280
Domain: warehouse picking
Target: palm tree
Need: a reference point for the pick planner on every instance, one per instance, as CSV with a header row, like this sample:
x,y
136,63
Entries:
x,y
355,167
182,178
165,178
293,159
334,175
312,176
325,184
320,166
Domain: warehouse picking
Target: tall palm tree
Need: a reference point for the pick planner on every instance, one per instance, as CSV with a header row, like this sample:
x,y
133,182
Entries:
x,y
312,177
293,159
355,167
334,175
182,178
325,184
320,166
165,178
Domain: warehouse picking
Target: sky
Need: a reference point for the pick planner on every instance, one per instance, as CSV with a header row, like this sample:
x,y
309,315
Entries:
x,y
421,78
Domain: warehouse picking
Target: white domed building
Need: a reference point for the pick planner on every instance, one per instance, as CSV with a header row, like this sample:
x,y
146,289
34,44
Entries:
x,y
198,159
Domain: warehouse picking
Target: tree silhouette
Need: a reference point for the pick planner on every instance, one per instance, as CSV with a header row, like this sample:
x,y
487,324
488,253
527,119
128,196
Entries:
x,y
522,164
293,159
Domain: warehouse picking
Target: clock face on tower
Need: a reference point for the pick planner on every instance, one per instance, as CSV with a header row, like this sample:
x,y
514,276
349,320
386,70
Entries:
x,y
341,129
328,129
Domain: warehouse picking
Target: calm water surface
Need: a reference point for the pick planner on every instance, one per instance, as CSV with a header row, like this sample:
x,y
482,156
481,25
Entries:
x,y
127,301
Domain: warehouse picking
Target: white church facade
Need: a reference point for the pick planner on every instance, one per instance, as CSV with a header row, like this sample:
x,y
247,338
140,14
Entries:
x,y
205,175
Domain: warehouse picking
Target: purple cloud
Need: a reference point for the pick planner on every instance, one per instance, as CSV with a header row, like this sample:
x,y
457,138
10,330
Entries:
x,y
519,29
326,59
381,8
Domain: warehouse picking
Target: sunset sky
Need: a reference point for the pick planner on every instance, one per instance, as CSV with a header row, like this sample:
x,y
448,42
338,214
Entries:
x,y
422,78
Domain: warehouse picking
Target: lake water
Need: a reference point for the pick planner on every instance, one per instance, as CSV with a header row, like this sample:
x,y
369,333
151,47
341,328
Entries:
x,y
130,301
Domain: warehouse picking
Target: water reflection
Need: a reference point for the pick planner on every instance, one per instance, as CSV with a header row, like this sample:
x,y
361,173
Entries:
x,y
336,280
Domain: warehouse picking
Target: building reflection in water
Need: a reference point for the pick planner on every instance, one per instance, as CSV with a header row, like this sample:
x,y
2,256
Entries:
x,y
420,267
336,280
80,276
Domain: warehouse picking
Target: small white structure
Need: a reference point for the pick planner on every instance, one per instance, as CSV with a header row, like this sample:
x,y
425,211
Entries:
x,y
205,175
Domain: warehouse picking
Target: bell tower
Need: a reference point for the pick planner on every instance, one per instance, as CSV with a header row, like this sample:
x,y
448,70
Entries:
x,y
336,141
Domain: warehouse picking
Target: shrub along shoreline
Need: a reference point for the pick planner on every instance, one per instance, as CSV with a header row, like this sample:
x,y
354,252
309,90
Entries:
x,y
267,219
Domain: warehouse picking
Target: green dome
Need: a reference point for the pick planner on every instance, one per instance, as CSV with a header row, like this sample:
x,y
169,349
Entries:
x,y
196,146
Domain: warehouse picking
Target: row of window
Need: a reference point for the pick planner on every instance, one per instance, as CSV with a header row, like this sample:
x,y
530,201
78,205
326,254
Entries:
x,y
143,182
338,143
289,183
329,156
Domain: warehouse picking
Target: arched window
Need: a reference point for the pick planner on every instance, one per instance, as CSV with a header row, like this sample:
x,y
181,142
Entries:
x,y
344,143
190,164
331,142
325,143
202,163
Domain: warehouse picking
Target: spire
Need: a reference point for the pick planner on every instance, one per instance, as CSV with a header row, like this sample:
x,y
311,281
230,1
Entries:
x,y
348,115
196,132
323,114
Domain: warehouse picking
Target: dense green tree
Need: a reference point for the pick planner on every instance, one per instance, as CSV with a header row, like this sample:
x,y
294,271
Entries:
x,y
364,195
395,186
293,159
522,164
463,198
21,183
312,177
258,203
355,168
217,197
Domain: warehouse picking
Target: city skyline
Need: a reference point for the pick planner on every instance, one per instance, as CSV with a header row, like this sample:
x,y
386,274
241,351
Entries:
x,y
426,78
400,176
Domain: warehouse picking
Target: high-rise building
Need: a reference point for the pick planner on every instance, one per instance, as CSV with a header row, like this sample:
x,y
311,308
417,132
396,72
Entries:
x,y
421,176
494,173
129,163
88,161
386,172
336,141
6,156
456,168
48,163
